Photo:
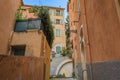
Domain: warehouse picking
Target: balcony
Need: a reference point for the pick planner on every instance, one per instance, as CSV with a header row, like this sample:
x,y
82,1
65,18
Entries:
x,y
24,25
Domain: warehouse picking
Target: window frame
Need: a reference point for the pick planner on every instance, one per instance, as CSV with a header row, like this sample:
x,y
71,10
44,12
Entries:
x,y
16,48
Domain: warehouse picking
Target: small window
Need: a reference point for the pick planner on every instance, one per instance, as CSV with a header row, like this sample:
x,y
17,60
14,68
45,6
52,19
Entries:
x,y
58,13
57,32
18,50
58,21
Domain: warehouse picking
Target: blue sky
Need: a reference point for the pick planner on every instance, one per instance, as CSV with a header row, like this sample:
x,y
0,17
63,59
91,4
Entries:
x,y
54,3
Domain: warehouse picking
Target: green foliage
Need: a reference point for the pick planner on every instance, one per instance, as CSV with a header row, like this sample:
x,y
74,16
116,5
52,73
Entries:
x,y
19,15
73,75
61,76
67,51
47,27
63,52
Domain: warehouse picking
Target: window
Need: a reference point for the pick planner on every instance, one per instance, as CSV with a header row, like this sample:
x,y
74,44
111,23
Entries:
x,y
50,12
57,12
57,32
58,21
58,49
18,50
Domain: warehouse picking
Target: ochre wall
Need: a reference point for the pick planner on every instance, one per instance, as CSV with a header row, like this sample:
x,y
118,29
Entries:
x,y
74,25
7,18
36,46
32,40
103,30
21,68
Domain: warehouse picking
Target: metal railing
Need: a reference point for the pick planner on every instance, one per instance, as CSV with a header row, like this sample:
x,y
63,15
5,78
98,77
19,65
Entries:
x,y
24,25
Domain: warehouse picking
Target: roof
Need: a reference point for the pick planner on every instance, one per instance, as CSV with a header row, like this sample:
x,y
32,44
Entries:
x,y
45,6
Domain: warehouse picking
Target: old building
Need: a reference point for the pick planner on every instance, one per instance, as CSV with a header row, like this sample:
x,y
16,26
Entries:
x,y
28,40
57,18
24,50
95,40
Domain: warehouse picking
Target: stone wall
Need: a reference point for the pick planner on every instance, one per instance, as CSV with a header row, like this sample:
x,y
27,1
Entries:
x,y
101,71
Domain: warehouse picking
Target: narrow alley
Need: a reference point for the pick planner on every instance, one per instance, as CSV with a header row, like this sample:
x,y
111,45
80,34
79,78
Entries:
x,y
59,40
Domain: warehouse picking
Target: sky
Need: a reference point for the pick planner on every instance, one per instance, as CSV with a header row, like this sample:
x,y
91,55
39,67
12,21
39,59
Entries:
x,y
54,3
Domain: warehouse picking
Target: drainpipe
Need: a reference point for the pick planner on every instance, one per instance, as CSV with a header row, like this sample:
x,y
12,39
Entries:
x,y
9,46
89,50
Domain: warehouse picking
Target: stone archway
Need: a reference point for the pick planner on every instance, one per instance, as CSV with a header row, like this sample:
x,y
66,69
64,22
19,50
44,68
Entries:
x,y
65,67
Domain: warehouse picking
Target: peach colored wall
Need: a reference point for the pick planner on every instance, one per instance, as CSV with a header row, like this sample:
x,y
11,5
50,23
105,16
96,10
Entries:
x,y
7,19
36,46
101,29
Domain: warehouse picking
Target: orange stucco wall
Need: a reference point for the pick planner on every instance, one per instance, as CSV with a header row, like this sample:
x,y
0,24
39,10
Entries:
x,y
74,25
36,46
22,68
32,40
101,29
7,18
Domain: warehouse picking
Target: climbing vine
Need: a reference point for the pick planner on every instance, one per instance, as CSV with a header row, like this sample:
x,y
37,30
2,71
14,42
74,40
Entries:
x,y
47,27
19,12
67,51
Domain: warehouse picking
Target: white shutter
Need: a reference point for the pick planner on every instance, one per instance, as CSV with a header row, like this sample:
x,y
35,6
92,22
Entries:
x,y
54,12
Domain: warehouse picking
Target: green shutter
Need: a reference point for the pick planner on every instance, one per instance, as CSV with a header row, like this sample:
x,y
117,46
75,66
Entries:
x,y
58,49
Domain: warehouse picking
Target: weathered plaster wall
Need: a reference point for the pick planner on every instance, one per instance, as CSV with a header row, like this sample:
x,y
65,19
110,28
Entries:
x,y
36,46
7,19
103,30
32,40
21,68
